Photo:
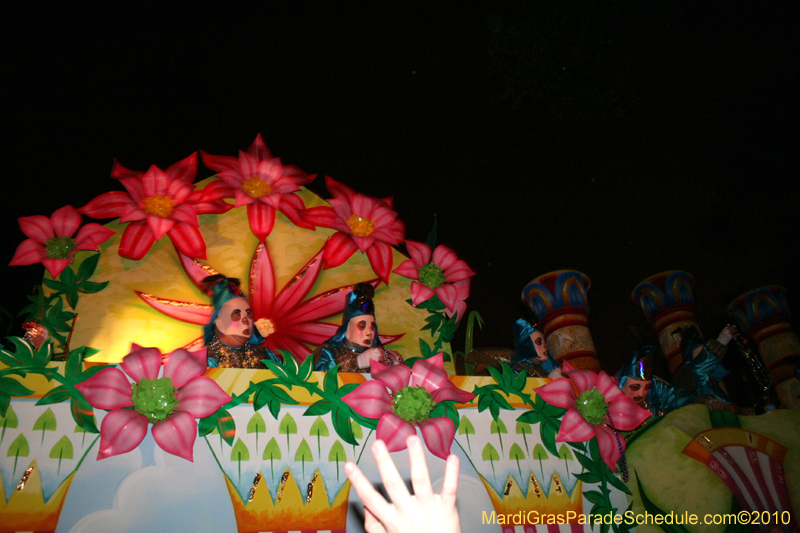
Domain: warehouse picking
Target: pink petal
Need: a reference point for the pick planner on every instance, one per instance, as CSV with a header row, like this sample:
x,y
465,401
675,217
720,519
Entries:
x,y
262,283
108,389
28,253
66,221
136,241
37,227
159,225
154,181
122,430
429,373
395,377
438,433
339,190
91,235
319,216
188,240
444,257
108,205
185,213
142,363
185,169
575,428
458,272
607,387
370,399
609,448
584,380
119,172
183,366
407,269
448,294
201,397
448,391
338,249
292,206
626,415
559,392
419,252
394,431
218,162
176,434
55,266
293,293
190,312
420,293
262,220
259,149
380,258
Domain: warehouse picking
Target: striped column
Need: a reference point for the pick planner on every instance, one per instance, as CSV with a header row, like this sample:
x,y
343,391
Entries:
x,y
559,301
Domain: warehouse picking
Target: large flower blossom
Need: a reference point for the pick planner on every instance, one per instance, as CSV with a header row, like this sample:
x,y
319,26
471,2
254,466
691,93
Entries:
x,y
157,203
285,318
409,406
50,240
171,402
263,184
362,223
440,276
594,403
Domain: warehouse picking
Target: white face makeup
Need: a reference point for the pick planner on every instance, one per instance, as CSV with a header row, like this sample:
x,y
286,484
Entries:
x,y
361,330
235,319
637,389
541,346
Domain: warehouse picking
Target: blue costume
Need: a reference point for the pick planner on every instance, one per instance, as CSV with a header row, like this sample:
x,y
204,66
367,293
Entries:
x,y
662,397
706,368
525,358
222,355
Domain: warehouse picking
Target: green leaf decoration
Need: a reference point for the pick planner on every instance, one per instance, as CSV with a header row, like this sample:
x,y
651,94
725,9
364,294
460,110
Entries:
x,y
18,448
337,455
223,422
341,425
61,450
45,422
12,387
272,452
256,425
524,429
539,453
83,414
517,454
653,509
566,454
303,454
358,433
331,381
8,420
319,408
240,453
71,283
489,453
498,428
447,409
319,429
465,427
287,427
56,395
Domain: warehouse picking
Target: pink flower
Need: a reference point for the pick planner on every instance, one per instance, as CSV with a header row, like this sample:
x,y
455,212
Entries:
x,y
362,223
263,184
157,203
446,276
171,402
409,406
592,399
51,240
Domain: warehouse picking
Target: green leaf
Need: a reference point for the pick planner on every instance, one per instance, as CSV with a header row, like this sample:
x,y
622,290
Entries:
x,y
529,417
331,381
67,276
341,424
56,395
277,370
446,409
617,482
424,349
12,387
54,285
91,287
586,463
588,477
87,268
306,369
319,408
83,414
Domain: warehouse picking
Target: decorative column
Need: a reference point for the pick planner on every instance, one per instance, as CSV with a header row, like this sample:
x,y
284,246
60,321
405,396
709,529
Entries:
x,y
559,301
668,303
764,315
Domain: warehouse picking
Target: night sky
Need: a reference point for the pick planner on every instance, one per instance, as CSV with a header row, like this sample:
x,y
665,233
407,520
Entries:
x,y
617,138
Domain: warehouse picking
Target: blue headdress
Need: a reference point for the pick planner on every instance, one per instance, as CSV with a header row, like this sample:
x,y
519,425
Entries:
x,y
524,348
359,302
638,367
224,290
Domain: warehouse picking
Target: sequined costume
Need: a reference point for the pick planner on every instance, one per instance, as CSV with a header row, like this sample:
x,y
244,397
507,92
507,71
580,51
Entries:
x,y
220,355
346,356
525,358
707,368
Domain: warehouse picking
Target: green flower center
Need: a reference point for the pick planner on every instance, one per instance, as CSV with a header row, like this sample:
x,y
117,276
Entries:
x,y
154,398
431,275
592,406
59,247
413,404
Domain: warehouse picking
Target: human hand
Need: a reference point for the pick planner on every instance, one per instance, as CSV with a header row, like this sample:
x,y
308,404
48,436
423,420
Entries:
x,y
372,354
422,512
727,334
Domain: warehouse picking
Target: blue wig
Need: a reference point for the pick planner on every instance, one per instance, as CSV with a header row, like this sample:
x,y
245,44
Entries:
x,y
359,302
638,367
225,290
524,348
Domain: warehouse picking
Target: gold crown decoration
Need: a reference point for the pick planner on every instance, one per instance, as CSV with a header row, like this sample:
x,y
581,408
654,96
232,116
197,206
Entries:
x,y
556,501
303,510
26,509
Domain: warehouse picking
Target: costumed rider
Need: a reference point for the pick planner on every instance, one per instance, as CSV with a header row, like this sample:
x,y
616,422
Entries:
x,y
650,392
356,341
704,360
531,354
231,339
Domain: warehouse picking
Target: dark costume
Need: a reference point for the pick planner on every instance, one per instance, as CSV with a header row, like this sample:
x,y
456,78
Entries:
x,y
525,358
662,397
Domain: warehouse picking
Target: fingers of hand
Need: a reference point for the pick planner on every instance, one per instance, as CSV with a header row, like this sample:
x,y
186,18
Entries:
x,y
371,523
420,479
369,496
450,485
394,484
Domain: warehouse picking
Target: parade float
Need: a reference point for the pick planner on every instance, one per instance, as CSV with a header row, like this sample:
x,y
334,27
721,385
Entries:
x,y
117,424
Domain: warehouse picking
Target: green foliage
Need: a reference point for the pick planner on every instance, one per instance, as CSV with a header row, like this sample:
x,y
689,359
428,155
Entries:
x,y
9,420
62,450
517,454
272,452
337,454
653,509
466,428
45,422
320,429
240,453
19,447
49,312
490,397
256,425
70,283
549,419
489,453
303,454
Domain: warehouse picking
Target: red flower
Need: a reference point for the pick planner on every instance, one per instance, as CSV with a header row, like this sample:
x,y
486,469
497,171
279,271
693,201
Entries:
x,y
363,223
157,203
263,184
445,275
51,240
